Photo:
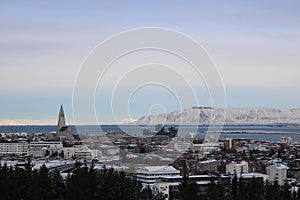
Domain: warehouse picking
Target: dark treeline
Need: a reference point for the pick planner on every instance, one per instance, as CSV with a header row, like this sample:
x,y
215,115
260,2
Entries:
x,y
236,189
85,183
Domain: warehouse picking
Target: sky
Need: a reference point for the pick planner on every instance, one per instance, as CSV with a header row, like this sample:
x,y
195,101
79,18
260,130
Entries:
x,y
255,45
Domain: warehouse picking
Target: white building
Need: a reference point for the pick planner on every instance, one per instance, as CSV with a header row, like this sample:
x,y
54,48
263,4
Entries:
x,y
109,150
163,184
277,172
208,166
163,188
149,174
37,149
18,148
238,168
207,147
87,154
183,146
80,152
264,177
69,153
286,140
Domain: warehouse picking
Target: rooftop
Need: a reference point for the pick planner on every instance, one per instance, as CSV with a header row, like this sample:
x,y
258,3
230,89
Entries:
x,y
158,168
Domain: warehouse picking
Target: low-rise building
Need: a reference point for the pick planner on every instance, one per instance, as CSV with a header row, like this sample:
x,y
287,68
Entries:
x,y
80,152
263,177
286,140
210,166
109,149
69,153
294,172
87,154
149,174
183,146
277,172
18,148
38,149
208,147
237,167
229,144
167,184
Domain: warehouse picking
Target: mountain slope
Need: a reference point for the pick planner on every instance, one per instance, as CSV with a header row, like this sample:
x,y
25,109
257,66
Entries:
x,y
230,116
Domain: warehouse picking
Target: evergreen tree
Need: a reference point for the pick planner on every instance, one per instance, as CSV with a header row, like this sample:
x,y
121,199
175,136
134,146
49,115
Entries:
x,y
272,191
78,184
4,181
242,192
20,181
285,192
33,185
234,187
45,183
125,186
215,191
40,185
255,189
28,167
58,185
92,181
188,189
145,193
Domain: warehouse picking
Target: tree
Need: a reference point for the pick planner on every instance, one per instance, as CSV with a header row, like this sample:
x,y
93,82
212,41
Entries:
x,y
255,188
285,192
272,191
215,191
242,192
188,189
145,193
234,187
58,185
20,182
4,181
78,183
28,167
40,187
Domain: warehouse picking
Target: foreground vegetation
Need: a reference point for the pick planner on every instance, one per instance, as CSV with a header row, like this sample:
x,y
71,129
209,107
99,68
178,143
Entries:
x,y
86,183
83,184
236,189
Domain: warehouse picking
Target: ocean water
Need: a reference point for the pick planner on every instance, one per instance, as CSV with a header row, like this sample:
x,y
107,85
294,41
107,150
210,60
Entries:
x,y
255,132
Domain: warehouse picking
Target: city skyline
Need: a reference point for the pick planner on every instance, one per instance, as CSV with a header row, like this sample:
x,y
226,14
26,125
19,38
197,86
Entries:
x,y
255,46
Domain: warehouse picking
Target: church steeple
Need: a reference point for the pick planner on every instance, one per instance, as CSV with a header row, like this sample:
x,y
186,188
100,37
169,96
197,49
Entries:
x,y
61,119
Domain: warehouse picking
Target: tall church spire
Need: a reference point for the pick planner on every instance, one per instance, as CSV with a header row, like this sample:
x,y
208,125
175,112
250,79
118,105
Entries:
x,y
61,119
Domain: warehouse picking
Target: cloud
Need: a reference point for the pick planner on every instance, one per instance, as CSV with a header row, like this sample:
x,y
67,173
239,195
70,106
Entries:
x,y
126,121
255,44
15,122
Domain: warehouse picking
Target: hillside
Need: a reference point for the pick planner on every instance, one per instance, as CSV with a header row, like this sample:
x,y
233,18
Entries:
x,y
231,116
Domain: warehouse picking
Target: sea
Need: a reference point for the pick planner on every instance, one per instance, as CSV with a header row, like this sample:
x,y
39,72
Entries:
x,y
253,132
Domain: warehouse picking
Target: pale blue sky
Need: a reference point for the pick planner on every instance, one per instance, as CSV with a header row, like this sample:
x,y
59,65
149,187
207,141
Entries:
x,y
255,44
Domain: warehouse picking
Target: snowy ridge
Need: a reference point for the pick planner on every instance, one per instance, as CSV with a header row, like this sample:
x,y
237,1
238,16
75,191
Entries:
x,y
227,116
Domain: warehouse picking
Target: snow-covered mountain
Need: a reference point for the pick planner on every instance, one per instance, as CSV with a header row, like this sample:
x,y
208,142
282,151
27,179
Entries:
x,y
228,116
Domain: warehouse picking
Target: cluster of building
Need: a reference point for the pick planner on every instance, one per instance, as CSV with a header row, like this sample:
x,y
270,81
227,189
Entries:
x,y
148,142
203,160
206,161
60,144
166,179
